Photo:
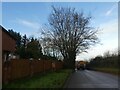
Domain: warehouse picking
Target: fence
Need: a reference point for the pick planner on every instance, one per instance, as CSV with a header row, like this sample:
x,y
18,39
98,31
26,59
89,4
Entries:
x,y
16,69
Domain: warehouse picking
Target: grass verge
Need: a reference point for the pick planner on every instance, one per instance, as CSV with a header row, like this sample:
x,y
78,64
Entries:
x,y
49,80
114,71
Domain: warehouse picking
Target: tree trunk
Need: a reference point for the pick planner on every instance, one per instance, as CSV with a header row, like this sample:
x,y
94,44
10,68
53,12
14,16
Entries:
x,y
70,62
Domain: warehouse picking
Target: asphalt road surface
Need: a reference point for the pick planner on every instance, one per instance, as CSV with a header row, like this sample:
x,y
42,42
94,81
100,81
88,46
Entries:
x,y
91,79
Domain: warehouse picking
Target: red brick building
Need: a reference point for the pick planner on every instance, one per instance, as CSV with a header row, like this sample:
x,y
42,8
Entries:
x,y
8,44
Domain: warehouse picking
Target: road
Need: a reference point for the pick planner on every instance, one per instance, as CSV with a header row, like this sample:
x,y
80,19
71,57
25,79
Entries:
x,y
91,79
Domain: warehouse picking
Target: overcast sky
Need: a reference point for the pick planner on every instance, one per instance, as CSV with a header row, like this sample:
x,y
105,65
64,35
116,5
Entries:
x,y
28,18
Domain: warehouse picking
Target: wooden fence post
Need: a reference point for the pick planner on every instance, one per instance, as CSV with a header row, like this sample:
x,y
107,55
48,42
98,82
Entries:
x,y
9,71
53,66
31,68
44,68
6,71
5,80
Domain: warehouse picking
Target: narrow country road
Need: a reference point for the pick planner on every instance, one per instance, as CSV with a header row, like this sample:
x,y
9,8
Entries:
x,y
91,79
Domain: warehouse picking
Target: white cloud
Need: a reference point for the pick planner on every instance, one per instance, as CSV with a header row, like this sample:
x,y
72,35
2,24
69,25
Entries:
x,y
29,27
30,24
110,26
109,40
111,10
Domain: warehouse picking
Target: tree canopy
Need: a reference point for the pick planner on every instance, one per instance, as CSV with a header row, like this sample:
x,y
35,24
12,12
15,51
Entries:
x,y
27,47
70,32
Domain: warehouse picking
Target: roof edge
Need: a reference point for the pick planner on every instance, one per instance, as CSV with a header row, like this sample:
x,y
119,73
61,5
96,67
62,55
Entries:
x,y
3,29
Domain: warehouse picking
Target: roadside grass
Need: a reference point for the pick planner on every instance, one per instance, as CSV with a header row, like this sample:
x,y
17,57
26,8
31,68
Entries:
x,y
114,71
49,80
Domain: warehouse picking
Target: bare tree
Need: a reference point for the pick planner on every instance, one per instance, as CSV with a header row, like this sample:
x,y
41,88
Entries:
x,y
70,32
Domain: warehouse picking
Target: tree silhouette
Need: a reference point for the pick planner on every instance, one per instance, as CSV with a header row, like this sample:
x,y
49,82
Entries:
x,y
70,32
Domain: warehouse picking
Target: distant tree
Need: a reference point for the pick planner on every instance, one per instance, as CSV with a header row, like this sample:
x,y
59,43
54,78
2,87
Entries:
x,y
98,58
34,49
26,48
21,52
109,60
50,49
18,41
17,36
25,40
107,54
118,52
70,32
